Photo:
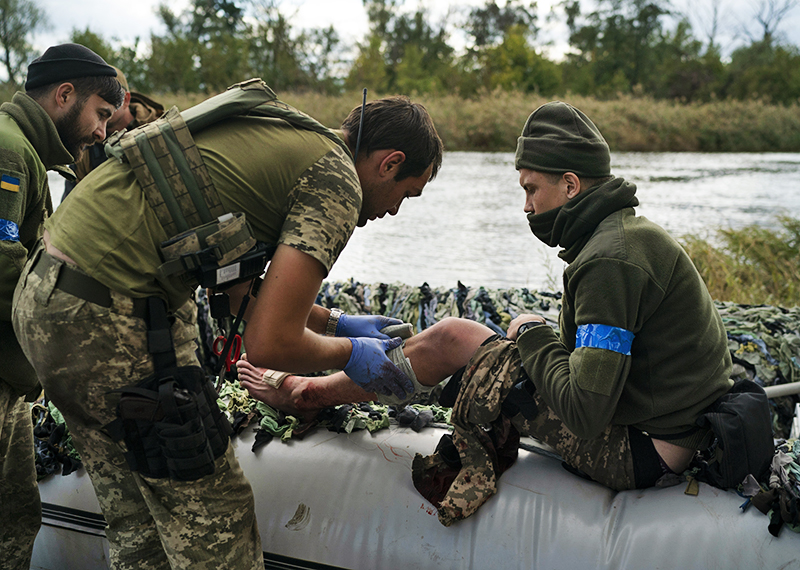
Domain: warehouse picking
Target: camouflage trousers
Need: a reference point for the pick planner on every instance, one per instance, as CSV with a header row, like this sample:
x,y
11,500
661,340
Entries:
x,y
606,458
489,377
20,506
82,352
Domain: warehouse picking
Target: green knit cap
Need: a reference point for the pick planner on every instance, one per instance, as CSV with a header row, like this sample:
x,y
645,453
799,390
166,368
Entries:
x,y
559,138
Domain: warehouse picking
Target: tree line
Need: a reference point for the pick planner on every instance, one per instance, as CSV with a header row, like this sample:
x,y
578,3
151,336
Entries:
x,y
615,47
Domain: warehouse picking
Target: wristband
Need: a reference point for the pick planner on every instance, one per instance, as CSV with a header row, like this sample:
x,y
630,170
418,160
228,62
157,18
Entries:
x,y
529,325
333,322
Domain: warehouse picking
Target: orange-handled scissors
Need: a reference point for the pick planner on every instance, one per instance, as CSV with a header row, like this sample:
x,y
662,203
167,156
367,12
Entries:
x,y
234,352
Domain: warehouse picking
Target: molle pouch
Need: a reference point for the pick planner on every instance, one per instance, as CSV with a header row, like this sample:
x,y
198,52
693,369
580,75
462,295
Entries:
x,y
743,444
171,425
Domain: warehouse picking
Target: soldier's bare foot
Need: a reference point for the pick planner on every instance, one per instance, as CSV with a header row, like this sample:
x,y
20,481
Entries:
x,y
282,398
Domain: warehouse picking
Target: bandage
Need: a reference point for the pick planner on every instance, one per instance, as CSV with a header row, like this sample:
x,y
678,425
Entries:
x,y
397,356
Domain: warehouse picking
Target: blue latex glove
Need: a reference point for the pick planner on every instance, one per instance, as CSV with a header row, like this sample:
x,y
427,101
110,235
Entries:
x,y
364,325
370,368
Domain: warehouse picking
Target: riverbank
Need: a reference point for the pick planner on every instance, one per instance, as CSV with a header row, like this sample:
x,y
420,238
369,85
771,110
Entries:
x,y
493,121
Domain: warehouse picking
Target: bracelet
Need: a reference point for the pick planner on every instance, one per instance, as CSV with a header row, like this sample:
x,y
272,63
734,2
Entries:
x,y
333,322
529,325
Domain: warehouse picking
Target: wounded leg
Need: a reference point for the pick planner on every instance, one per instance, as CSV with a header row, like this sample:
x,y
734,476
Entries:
x,y
435,354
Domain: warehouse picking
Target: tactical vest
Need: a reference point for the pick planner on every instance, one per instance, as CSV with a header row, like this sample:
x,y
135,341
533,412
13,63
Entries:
x,y
176,184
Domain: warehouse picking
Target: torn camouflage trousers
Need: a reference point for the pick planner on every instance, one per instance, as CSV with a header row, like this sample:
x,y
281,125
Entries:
x,y
607,458
462,474
20,506
486,382
81,352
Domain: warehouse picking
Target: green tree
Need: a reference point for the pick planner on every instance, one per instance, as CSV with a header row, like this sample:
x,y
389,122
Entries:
x,y
501,52
18,20
684,70
275,52
124,57
403,52
205,47
615,46
94,42
767,71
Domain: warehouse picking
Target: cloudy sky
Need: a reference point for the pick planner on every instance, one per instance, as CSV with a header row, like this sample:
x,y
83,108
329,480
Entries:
x,y
126,19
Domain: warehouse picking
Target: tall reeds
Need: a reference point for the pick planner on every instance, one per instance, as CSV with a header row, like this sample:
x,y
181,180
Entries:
x,y
493,121
752,265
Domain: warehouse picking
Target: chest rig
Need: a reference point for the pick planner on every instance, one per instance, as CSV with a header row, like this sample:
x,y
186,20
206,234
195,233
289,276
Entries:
x,y
206,245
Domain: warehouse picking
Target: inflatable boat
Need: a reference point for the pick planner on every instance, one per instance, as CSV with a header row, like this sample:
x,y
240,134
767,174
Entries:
x,y
346,500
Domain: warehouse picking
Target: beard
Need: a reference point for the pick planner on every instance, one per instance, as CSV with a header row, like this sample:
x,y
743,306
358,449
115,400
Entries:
x,y
69,131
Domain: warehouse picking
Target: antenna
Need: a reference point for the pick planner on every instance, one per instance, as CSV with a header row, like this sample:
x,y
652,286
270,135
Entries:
x,y
360,123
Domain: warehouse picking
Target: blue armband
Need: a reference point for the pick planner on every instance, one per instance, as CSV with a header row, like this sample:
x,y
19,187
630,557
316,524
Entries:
x,y
605,337
9,231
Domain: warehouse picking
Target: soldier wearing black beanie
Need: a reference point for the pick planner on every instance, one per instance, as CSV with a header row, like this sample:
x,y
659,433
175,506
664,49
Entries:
x,y
70,94
66,61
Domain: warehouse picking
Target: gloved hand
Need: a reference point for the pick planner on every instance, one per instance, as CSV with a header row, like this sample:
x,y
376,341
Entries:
x,y
364,325
370,368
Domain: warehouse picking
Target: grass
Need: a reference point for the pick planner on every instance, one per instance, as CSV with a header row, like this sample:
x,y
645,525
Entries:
x,y
752,265
492,121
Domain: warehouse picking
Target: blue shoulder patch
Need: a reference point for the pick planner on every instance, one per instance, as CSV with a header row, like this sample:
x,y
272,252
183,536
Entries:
x,y
9,231
605,337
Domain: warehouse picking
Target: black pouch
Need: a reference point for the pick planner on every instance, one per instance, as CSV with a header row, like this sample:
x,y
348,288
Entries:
x,y
171,425
743,441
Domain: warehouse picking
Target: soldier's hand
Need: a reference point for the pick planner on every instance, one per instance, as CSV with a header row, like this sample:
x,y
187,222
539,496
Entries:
x,y
370,368
365,326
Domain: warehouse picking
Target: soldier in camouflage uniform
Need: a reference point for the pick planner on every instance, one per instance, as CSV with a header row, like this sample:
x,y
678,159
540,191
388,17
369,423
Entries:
x,y
300,191
640,353
70,95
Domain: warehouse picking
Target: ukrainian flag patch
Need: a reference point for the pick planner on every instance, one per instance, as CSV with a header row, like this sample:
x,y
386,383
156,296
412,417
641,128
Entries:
x,y
9,183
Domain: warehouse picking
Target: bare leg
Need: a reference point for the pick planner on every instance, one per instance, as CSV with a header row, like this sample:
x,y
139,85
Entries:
x,y
435,354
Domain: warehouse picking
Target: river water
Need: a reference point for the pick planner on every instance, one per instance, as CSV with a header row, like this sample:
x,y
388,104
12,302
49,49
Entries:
x,y
469,225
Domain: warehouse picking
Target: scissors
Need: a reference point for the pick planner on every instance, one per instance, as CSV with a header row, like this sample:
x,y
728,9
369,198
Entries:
x,y
234,350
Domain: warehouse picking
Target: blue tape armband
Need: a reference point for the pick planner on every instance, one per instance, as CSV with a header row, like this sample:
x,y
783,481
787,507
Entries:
x,y
605,337
9,231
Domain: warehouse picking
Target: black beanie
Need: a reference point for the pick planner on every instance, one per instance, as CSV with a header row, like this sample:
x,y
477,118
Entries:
x,y
66,61
559,138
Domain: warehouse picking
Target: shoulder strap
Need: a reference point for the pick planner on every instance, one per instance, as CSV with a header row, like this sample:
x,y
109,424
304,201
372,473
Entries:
x,y
168,165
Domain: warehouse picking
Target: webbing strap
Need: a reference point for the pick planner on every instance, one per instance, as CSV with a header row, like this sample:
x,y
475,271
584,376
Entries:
x,y
159,179
185,171
281,110
172,174
169,167
159,336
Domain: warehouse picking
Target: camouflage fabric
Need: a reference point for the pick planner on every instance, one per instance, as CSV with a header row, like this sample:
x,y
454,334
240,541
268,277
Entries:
x,y
262,167
20,506
478,432
489,376
151,145
82,352
321,223
143,109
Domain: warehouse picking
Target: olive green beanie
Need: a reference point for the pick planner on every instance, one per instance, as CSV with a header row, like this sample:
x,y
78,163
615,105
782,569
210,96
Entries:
x,y
557,137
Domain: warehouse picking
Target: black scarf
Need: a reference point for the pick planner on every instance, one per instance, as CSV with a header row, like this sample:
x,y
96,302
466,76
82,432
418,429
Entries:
x,y
571,225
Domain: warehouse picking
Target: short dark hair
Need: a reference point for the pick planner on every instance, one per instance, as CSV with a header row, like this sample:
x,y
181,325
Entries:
x,y
397,123
108,88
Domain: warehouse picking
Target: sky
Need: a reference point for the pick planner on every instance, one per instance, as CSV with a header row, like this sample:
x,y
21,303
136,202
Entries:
x,y
124,20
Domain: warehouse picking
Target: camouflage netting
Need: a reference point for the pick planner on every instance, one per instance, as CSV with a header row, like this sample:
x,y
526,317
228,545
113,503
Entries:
x,y
764,342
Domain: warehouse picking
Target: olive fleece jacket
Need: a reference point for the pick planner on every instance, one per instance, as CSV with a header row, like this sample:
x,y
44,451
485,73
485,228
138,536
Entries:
x,y
625,271
29,146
